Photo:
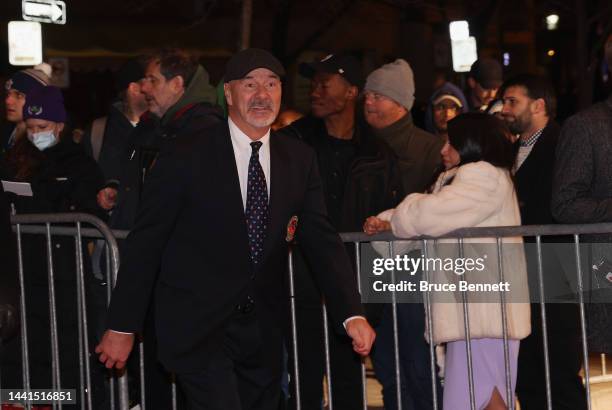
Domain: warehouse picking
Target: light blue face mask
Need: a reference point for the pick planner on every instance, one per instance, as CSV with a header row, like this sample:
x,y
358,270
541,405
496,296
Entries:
x,y
43,140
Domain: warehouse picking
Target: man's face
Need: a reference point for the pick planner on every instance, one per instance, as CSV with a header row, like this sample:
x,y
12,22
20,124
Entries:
x,y
137,96
161,94
330,94
381,111
484,95
517,109
443,112
254,101
14,102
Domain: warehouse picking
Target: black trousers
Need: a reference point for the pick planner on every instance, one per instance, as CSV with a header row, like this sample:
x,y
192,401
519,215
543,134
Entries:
x,y
245,374
158,381
565,353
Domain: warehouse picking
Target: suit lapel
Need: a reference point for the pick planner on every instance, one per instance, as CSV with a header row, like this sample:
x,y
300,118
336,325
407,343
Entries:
x,y
533,163
278,185
229,188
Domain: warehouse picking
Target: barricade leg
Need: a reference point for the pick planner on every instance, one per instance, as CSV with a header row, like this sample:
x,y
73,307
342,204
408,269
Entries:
x,y
468,338
328,371
110,280
364,393
83,324
430,337
396,352
544,324
585,351
504,318
55,360
296,368
25,357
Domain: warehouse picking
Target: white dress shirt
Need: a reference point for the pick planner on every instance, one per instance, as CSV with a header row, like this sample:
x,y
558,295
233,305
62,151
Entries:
x,y
242,154
525,147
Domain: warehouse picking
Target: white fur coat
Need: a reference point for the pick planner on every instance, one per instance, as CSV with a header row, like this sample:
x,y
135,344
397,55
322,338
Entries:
x,y
479,195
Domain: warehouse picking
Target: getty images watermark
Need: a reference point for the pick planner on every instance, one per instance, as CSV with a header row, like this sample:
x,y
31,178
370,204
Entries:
x,y
486,272
411,266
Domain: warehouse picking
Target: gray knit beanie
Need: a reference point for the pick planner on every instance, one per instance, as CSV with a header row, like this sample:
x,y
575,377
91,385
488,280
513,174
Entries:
x,y
394,80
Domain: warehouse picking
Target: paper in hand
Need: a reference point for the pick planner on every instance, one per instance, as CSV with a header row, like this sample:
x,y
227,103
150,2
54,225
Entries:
x,y
18,188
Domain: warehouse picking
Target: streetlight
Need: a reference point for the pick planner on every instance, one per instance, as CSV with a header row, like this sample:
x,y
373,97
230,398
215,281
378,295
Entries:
x,y
552,21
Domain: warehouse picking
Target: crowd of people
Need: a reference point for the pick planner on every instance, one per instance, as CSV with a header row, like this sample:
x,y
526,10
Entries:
x,y
213,187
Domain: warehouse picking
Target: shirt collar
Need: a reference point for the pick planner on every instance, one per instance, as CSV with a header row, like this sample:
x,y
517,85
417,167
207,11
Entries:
x,y
531,140
241,140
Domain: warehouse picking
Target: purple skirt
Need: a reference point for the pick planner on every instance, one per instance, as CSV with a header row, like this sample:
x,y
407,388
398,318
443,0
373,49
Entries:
x,y
489,372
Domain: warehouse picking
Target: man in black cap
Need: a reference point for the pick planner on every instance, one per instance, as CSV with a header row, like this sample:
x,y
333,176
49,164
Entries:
x,y
359,176
108,137
485,77
211,238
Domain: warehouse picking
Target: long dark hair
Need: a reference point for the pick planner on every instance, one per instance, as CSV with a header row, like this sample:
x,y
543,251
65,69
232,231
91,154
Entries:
x,y
23,160
481,137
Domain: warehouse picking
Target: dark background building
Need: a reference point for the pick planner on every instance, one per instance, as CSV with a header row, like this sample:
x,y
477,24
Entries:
x,y
100,35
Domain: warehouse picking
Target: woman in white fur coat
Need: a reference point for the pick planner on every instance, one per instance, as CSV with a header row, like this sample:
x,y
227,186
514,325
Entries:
x,y
476,191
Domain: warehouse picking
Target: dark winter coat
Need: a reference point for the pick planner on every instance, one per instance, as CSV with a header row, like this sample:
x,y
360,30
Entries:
x,y
192,114
582,193
67,180
115,143
373,181
417,150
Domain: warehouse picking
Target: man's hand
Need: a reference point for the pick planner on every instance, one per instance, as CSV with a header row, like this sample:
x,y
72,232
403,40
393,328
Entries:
x,y
374,225
107,198
362,334
115,348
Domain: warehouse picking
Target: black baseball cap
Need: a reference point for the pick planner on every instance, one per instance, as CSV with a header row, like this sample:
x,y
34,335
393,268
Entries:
x,y
487,72
245,61
130,72
344,64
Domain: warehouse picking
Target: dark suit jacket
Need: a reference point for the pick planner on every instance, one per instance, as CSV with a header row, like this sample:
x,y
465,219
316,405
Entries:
x,y
535,177
582,191
534,181
191,229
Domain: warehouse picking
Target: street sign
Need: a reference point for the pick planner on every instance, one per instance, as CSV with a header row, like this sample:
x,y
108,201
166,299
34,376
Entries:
x,y
25,43
464,54
44,11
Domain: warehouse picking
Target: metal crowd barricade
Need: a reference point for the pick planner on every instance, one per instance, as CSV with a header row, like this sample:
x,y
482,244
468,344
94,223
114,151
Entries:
x,y
497,233
50,225
70,225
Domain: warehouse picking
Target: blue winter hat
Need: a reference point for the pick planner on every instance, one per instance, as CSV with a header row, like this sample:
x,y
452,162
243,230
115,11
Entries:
x,y
26,81
45,103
